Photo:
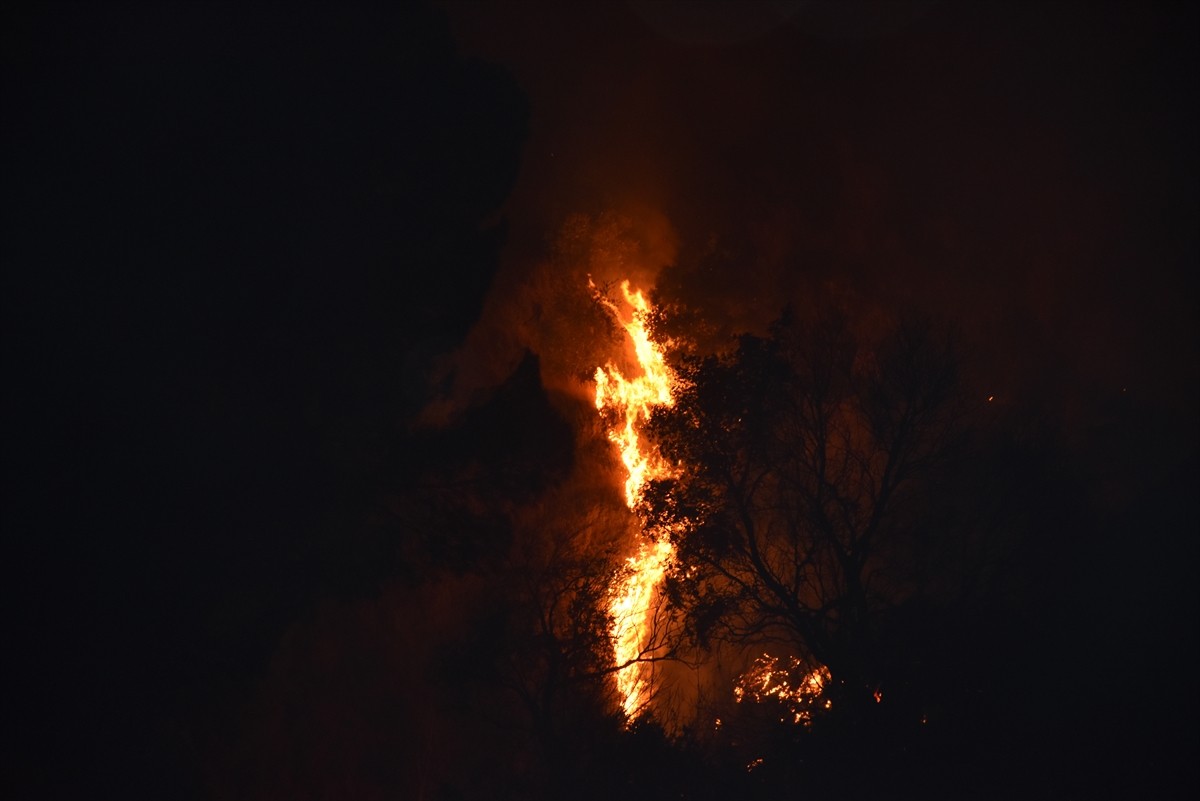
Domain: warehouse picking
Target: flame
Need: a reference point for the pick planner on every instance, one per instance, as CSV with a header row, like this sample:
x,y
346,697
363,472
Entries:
x,y
769,677
634,399
628,403
631,605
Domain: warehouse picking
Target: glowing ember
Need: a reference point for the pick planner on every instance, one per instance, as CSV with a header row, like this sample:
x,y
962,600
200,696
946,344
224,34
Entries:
x,y
769,677
625,404
628,404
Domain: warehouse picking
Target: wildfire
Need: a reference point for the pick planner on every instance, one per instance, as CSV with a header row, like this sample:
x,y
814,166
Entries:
x,y
769,677
625,404
628,404
634,399
632,606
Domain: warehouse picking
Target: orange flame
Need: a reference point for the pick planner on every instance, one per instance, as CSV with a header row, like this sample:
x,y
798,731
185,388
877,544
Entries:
x,y
631,604
631,600
630,403
633,400
636,398
770,677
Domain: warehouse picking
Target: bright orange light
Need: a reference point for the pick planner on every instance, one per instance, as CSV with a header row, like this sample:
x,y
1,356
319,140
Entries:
x,y
633,400
627,404
631,603
769,677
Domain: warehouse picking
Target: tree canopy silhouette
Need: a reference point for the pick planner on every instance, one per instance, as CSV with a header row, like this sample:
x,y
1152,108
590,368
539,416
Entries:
x,y
803,459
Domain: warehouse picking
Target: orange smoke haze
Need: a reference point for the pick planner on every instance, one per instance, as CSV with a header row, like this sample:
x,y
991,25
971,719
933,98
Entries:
x,y
889,151
541,302
594,354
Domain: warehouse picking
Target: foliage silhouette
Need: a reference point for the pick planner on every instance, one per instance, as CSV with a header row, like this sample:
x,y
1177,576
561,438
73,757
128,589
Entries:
x,y
804,458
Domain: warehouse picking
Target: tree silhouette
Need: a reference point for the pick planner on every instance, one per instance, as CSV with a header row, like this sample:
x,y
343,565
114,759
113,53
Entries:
x,y
542,650
804,459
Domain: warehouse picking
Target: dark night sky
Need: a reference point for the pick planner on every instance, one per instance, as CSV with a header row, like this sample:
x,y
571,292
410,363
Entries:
x,y
1028,170
245,252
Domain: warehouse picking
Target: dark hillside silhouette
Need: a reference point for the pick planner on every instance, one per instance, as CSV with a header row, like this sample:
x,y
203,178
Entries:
x,y
235,241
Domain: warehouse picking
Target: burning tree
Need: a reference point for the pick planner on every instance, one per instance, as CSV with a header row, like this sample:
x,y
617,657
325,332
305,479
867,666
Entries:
x,y
641,632
550,635
801,463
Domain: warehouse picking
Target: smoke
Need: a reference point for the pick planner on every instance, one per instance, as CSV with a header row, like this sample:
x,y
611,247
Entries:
x,y
973,163
548,308
1006,171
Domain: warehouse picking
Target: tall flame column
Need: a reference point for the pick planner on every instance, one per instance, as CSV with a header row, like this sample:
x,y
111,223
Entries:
x,y
630,402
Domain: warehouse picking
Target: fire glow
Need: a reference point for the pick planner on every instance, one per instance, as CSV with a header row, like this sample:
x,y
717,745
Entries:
x,y
626,404
635,399
771,677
